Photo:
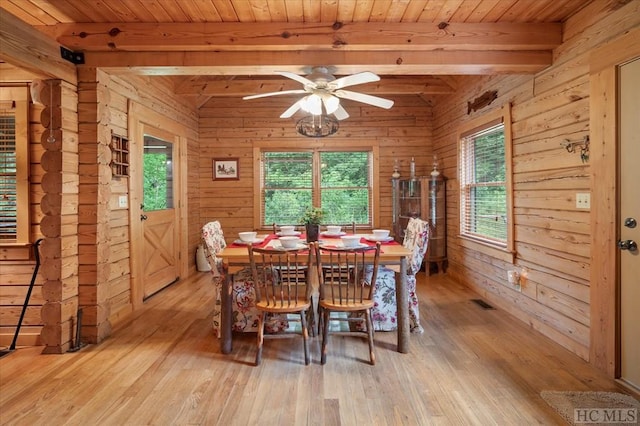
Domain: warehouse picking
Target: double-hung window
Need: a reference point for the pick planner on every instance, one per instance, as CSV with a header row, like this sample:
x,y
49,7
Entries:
x,y
14,165
338,181
485,181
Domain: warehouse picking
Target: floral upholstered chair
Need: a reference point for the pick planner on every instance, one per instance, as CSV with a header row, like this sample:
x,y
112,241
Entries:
x,y
243,299
385,311
214,243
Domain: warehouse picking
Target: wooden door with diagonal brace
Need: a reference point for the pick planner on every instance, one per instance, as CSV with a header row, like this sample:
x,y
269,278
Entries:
x,y
160,258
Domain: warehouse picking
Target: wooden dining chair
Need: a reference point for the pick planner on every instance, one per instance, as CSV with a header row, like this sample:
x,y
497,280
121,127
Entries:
x,y
281,282
344,290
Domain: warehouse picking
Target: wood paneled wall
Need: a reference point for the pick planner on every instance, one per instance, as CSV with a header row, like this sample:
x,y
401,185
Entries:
x,y
105,272
99,278
552,236
17,264
230,127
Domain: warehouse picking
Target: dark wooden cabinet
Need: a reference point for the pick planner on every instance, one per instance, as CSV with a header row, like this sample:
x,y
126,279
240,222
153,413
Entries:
x,y
423,197
437,217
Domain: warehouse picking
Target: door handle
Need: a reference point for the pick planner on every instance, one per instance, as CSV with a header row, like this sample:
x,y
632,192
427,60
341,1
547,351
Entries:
x,y
628,245
143,217
630,222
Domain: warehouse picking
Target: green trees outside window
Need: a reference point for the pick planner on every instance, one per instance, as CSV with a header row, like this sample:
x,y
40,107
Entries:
x,y
484,195
158,174
337,181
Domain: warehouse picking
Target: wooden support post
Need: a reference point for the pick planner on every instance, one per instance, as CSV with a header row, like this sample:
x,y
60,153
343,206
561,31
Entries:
x,y
60,221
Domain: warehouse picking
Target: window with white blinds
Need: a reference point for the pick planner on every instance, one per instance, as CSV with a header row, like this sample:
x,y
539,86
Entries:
x,y
484,206
14,185
338,181
8,186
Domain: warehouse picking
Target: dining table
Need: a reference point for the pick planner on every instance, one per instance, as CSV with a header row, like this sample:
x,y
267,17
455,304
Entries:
x,y
392,255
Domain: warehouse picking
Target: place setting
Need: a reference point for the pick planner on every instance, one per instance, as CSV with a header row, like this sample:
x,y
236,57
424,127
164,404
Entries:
x,y
334,231
291,242
288,231
250,238
379,235
348,242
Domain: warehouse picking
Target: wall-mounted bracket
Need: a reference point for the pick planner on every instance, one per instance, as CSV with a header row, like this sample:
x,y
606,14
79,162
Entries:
x,y
583,144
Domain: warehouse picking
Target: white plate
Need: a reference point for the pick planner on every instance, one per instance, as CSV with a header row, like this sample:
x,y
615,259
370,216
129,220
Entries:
x,y
299,246
295,234
335,247
373,239
257,240
331,234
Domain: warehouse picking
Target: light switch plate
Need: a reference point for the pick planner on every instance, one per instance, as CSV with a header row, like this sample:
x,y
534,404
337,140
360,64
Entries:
x,y
122,201
583,200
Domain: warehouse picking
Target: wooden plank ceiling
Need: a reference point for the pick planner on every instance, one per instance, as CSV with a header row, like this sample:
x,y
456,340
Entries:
x,y
233,47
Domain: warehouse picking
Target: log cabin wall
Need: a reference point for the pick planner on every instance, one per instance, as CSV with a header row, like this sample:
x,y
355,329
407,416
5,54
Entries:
x,y
59,224
552,236
105,269
51,314
58,189
230,127
96,287
17,264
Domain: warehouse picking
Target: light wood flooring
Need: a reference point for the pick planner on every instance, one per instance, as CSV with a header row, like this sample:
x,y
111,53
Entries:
x,y
163,366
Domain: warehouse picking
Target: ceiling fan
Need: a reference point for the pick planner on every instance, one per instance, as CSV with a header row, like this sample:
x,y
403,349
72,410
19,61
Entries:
x,y
324,91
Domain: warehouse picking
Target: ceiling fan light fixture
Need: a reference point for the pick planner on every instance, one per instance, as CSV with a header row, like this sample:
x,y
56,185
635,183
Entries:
x,y
331,104
317,126
312,104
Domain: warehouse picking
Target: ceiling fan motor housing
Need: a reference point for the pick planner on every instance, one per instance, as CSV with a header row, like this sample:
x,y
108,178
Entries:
x,y
320,76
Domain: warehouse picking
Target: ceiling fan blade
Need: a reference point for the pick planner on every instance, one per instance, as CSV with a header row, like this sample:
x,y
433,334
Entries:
x,y
341,113
283,92
292,109
367,99
351,80
298,78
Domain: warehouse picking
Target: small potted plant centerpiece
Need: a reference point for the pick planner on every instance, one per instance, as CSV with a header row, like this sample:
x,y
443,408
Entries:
x,y
311,218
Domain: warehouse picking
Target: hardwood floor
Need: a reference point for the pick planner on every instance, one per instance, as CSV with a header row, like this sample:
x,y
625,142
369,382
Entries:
x,y
163,366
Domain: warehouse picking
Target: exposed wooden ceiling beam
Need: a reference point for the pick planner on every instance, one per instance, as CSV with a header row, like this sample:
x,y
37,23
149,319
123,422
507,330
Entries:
x,y
203,85
305,36
13,74
341,63
32,51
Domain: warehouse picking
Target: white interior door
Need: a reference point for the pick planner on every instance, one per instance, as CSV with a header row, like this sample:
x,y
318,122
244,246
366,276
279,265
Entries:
x,y
630,222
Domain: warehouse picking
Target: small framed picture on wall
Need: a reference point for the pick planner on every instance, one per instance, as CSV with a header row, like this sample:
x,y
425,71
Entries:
x,y
225,169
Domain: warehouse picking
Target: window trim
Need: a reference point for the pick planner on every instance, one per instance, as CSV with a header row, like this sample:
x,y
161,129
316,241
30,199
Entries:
x,y
315,145
503,115
20,94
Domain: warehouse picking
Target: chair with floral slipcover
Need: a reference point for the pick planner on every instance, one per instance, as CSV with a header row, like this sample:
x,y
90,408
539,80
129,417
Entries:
x,y
385,311
243,299
214,243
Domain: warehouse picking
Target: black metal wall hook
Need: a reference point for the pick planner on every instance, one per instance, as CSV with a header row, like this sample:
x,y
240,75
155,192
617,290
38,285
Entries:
x,y
583,144
570,146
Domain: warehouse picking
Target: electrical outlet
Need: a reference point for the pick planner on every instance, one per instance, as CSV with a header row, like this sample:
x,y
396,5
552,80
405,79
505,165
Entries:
x,y
583,200
122,201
